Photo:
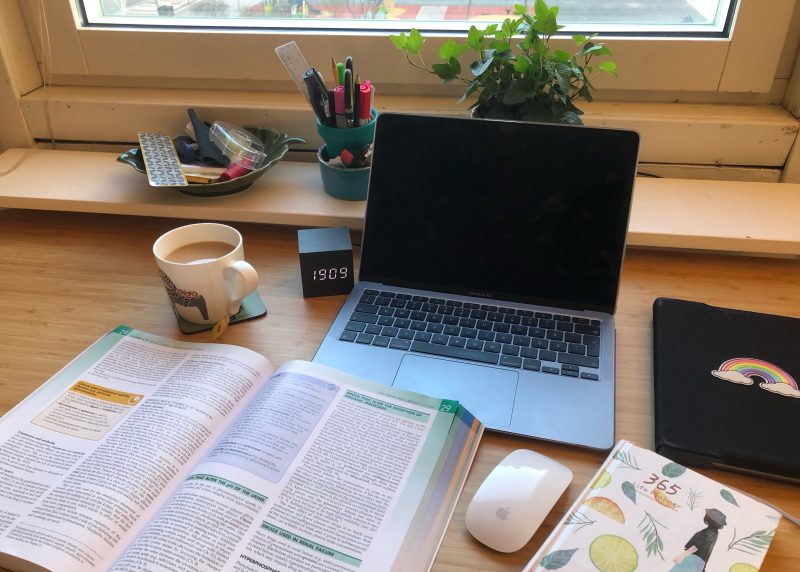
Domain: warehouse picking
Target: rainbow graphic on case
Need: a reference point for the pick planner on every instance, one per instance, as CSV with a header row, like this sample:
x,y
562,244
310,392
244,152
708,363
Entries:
x,y
745,370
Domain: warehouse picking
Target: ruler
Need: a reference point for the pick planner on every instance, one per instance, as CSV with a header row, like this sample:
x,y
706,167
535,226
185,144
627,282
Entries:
x,y
295,64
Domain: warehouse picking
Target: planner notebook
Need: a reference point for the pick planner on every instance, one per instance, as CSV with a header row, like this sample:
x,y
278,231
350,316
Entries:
x,y
726,390
642,511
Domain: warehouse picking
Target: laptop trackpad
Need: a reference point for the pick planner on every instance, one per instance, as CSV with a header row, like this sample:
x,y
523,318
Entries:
x,y
487,392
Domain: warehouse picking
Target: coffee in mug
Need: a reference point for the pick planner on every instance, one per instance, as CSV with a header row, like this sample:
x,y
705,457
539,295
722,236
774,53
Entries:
x,y
203,269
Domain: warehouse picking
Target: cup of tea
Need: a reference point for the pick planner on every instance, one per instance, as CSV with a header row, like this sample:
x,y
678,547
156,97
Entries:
x,y
204,272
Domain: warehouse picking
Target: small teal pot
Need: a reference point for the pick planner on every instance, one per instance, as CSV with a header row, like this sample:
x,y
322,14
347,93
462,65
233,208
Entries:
x,y
345,184
350,138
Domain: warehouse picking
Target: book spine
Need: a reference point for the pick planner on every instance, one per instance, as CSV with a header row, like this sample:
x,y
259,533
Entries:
x,y
560,529
657,416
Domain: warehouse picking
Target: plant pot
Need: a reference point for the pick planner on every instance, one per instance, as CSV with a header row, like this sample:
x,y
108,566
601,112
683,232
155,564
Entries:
x,y
345,184
351,138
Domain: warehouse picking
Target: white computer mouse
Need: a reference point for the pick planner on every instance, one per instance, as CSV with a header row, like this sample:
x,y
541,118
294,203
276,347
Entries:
x,y
515,498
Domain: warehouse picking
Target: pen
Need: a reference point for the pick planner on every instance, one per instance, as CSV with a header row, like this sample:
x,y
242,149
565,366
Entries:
x,y
338,97
371,96
364,104
348,64
335,71
320,80
348,96
340,73
317,94
332,107
356,100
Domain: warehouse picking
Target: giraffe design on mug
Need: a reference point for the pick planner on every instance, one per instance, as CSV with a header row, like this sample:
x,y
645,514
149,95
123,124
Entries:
x,y
185,298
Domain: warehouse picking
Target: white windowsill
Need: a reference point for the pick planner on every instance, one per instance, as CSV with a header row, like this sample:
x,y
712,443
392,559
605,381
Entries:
x,y
740,217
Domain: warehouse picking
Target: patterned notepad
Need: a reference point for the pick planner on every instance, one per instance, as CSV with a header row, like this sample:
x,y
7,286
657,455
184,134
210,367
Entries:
x,y
161,160
641,511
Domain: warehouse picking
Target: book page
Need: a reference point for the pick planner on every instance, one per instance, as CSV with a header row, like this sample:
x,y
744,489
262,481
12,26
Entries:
x,y
90,455
322,472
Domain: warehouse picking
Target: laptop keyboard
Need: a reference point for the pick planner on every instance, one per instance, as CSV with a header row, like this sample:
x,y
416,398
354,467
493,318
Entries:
x,y
522,339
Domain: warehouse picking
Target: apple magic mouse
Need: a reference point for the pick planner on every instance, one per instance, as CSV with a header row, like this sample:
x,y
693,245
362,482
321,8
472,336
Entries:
x,y
515,498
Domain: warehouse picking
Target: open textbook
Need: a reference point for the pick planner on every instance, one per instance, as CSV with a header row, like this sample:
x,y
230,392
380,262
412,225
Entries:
x,y
150,454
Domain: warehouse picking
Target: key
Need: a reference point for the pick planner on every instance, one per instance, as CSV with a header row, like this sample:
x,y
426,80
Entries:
x,y
585,361
450,351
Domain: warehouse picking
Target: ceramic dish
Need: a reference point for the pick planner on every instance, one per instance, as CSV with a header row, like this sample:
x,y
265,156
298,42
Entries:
x,y
276,144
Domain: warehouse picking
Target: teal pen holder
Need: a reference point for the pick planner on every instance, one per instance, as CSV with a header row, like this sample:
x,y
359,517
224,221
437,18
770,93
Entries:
x,y
351,138
345,184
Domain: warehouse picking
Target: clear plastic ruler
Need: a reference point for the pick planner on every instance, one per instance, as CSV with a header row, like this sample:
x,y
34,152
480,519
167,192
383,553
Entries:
x,y
295,64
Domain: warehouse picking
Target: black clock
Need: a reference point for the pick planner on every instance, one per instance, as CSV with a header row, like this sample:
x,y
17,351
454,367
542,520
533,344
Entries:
x,y
326,261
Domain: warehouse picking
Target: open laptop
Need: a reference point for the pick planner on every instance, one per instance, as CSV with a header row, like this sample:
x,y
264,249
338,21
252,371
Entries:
x,y
490,268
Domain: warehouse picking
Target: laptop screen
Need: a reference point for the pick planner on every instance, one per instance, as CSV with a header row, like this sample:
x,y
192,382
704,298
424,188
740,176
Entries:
x,y
508,210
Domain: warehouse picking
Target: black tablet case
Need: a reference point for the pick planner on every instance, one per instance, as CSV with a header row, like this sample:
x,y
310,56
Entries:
x,y
702,419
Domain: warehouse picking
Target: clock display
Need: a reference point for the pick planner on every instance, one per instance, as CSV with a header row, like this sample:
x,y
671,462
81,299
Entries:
x,y
341,273
326,261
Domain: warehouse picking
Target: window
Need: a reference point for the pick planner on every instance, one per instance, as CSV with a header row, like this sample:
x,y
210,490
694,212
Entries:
x,y
112,80
82,54
694,17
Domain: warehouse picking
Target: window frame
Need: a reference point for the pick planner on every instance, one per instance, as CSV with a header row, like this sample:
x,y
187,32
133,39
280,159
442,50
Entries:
x,y
96,55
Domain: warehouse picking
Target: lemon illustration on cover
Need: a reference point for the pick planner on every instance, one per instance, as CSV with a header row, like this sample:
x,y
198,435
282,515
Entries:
x,y
612,553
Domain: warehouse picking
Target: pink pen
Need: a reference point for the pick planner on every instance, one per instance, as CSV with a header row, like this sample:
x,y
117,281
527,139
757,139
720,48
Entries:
x,y
364,103
338,97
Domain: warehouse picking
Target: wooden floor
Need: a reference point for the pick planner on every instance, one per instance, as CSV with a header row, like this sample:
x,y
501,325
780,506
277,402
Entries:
x,y
66,278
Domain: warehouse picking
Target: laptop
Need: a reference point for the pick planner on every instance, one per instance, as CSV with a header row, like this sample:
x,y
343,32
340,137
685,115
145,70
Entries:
x,y
726,388
490,267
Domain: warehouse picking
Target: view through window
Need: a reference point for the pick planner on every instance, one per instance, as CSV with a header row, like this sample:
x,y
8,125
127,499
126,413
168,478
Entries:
x,y
692,17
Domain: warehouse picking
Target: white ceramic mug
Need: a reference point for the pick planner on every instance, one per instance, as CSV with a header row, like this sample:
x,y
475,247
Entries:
x,y
203,269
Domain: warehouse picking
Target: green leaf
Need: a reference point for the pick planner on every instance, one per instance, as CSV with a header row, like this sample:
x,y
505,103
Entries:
x,y
475,38
630,491
540,8
522,64
563,76
450,49
478,67
508,28
500,45
415,41
562,55
672,470
399,41
579,39
728,497
455,65
610,67
490,29
519,9
541,48
471,87
557,559
444,71
551,26
594,49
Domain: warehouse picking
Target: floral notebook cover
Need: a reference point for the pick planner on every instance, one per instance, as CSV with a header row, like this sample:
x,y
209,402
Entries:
x,y
641,511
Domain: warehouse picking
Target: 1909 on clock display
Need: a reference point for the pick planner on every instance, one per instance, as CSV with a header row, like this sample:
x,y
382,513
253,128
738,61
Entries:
x,y
326,261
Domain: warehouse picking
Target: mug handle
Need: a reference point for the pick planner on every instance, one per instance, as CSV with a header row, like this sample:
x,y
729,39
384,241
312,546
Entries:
x,y
242,280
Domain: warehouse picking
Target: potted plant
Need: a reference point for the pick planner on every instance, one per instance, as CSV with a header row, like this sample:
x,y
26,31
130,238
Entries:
x,y
514,72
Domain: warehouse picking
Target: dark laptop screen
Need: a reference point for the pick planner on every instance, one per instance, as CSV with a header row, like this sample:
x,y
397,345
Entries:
x,y
509,210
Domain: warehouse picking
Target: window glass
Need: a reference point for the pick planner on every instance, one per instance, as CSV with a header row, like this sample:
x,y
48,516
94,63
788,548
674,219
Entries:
x,y
682,17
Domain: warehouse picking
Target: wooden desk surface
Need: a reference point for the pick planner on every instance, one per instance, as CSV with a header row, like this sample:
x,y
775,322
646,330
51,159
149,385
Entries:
x,y
65,279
